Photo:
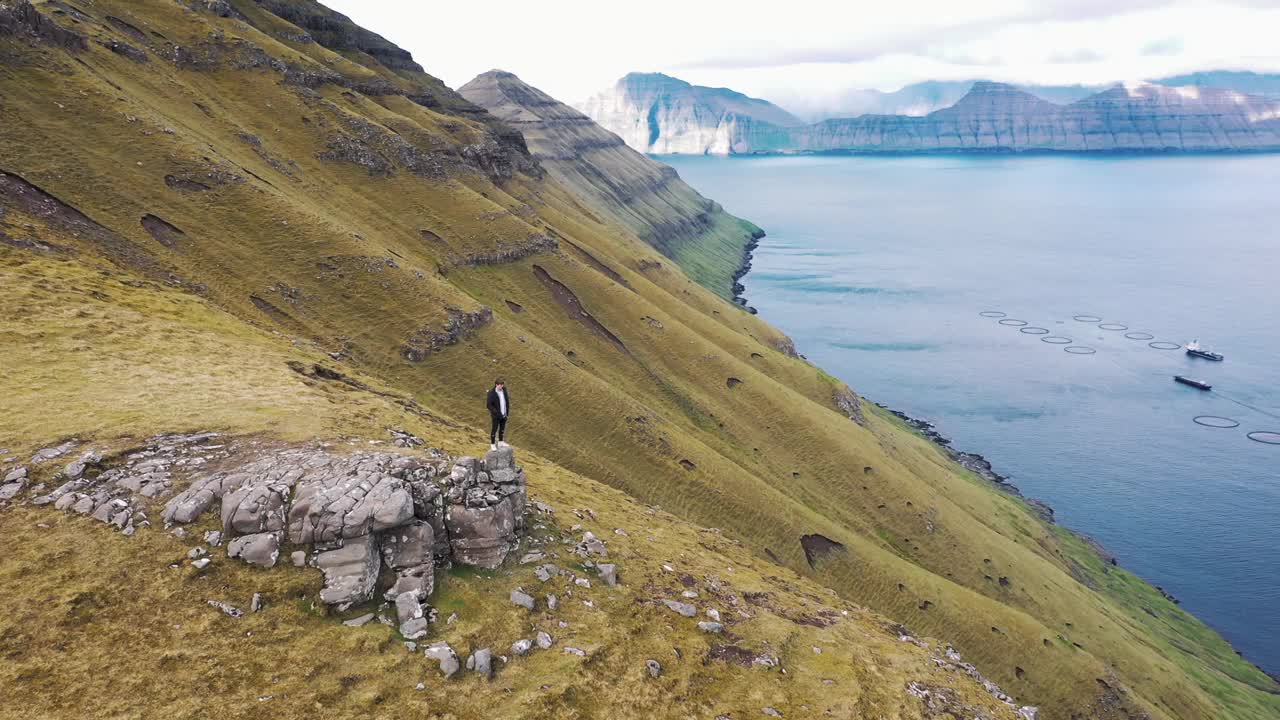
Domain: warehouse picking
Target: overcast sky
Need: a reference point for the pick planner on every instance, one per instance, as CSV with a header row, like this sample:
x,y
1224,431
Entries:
x,y
801,51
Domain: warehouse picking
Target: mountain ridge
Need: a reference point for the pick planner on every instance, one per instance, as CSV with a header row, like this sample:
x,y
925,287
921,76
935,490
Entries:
x,y
710,245
1144,118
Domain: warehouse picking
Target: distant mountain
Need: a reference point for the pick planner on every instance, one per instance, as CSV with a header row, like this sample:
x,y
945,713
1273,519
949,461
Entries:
x,y
922,98
1001,117
656,113
1251,83
643,194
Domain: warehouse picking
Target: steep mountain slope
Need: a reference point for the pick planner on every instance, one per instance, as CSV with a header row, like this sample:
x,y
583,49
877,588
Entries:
x,y
204,202
648,197
656,113
999,117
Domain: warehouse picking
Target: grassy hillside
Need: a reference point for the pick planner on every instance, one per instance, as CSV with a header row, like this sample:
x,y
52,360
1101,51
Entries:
x,y
648,197
192,198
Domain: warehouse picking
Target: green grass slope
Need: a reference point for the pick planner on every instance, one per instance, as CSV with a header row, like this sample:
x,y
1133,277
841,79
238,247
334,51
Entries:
x,y
263,183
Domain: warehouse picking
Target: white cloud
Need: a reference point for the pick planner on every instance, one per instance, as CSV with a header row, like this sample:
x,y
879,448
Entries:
x,y
808,49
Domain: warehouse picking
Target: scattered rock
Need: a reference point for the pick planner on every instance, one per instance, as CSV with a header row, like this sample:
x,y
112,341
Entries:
x,y
481,661
684,609
546,572
575,651
359,621
521,646
49,453
414,629
543,640
256,603
230,610
213,537
591,545
654,667
15,475
201,564
771,712
711,627
445,656
522,599
553,602
608,573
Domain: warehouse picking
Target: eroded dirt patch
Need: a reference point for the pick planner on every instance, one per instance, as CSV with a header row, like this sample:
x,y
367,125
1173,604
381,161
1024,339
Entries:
x,y
569,301
817,547
595,264
165,232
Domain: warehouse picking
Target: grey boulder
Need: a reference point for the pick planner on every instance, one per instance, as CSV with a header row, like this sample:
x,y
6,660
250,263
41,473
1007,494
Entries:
x,y
682,608
445,656
349,572
522,599
261,549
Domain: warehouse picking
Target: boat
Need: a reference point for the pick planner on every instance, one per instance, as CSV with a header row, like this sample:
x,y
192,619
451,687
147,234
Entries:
x,y
1194,350
1200,384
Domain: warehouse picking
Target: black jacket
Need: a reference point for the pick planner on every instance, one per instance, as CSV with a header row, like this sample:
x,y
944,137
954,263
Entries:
x,y
495,407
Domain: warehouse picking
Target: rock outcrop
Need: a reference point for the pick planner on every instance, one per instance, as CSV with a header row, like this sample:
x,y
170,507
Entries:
x,y
353,515
989,117
641,193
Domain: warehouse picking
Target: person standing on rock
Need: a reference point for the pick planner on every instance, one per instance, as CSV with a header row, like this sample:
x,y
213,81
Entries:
x,y
499,403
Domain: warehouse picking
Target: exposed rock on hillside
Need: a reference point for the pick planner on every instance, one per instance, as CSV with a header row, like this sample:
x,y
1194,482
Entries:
x,y
355,513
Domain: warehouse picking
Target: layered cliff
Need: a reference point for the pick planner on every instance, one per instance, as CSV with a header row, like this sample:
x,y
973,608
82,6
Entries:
x,y
656,113
214,219
648,197
1001,118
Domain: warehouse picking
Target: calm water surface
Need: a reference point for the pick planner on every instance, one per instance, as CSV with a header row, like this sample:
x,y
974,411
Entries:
x,y
879,268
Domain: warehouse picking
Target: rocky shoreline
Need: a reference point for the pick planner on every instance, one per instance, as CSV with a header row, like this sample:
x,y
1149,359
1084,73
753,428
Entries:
x,y
743,269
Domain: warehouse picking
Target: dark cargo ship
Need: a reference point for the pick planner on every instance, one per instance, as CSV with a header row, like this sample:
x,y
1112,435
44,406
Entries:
x,y
1199,384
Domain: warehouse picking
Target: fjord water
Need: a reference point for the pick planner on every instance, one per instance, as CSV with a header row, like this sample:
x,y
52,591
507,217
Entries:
x,y
878,267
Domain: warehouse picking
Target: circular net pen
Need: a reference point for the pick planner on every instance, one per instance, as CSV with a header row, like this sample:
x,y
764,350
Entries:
x,y
1087,318
1215,421
1266,437
992,314
1161,345
1140,336
1057,340
1012,322
1114,327
1079,350
1033,330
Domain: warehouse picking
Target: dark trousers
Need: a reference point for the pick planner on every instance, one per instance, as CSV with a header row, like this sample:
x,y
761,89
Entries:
x,y
497,429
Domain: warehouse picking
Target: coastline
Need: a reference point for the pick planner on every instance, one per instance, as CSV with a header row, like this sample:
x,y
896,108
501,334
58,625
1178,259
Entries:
x,y
736,287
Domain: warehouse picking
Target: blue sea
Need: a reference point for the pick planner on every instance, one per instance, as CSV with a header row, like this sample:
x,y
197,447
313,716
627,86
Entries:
x,y
881,269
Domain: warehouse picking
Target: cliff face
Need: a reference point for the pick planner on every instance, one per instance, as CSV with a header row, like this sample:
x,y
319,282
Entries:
x,y
655,113
1000,117
642,194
